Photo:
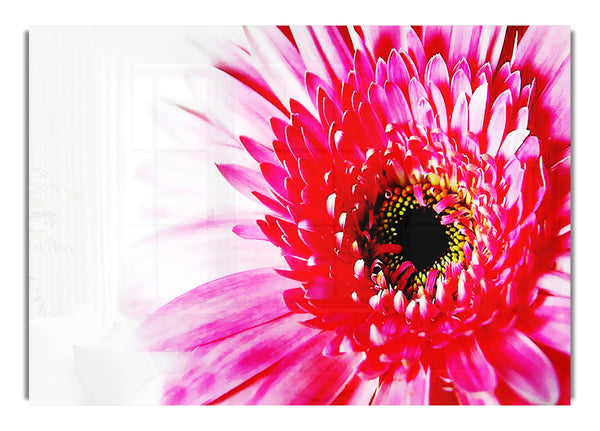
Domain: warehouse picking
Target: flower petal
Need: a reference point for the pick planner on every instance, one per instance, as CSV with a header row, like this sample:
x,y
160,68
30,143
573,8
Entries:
x,y
556,282
397,389
544,54
249,231
305,376
512,142
244,180
522,365
550,322
258,151
357,392
215,369
468,367
217,309
477,398
270,46
497,125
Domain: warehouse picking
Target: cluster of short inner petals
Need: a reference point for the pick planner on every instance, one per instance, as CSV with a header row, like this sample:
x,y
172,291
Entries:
x,y
455,140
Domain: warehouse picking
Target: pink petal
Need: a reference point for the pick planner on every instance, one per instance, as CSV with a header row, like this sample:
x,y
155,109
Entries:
x,y
251,231
463,43
364,71
464,66
418,194
514,174
424,114
468,367
396,389
400,303
512,142
379,102
415,49
416,92
399,111
491,41
296,143
357,392
313,83
440,107
460,116
498,119
215,369
272,46
436,71
544,54
311,51
397,70
555,101
476,398
272,204
477,108
436,39
249,76
259,152
335,50
530,150
275,176
244,180
522,120
383,39
305,376
320,288
556,282
460,85
477,44
372,126
380,72
513,82
431,277
216,310
278,127
550,322
269,46
522,365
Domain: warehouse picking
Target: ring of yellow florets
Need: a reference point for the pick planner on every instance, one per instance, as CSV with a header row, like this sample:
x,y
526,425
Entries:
x,y
398,203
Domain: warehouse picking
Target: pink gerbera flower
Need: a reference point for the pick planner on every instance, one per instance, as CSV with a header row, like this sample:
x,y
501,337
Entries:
x,y
417,183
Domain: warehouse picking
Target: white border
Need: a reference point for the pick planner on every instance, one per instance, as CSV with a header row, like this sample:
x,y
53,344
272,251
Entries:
x,y
579,14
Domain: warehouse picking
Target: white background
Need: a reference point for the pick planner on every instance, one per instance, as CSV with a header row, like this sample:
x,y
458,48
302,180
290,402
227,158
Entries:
x,y
586,66
121,181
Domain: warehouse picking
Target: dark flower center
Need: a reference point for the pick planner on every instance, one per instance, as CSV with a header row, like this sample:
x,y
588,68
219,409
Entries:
x,y
418,230
422,237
